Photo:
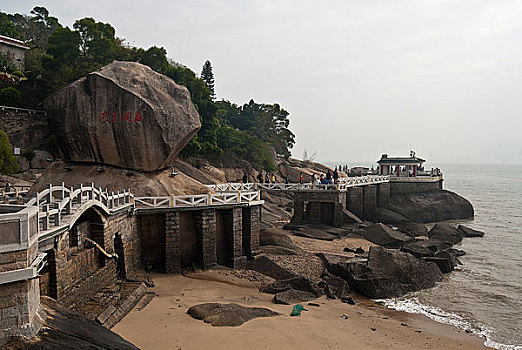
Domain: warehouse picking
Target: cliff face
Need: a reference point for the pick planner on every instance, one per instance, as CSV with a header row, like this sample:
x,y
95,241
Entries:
x,y
431,206
125,115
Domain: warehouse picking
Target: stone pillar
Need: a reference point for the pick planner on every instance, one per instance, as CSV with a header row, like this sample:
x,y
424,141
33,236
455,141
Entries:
x,y
172,242
251,230
205,221
20,310
298,211
384,195
354,201
234,226
369,202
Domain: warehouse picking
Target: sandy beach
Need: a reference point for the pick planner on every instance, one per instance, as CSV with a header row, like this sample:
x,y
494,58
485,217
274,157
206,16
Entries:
x,y
164,323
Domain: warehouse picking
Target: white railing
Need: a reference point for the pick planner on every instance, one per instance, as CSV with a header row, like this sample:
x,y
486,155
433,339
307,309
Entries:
x,y
342,185
198,200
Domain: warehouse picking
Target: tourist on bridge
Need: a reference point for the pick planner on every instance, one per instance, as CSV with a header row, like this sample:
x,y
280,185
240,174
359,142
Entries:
x,y
335,175
328,176
323,180
300,178
273,178
245,178
267,178
260,177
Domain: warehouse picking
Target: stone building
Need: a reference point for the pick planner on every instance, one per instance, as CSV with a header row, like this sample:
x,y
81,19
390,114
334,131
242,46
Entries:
x,y
14,49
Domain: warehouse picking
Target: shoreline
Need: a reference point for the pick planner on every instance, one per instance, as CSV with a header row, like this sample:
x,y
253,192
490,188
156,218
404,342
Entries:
x,y
163,323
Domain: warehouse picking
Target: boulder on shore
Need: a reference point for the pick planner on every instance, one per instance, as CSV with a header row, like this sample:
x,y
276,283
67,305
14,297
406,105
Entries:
x,y
388,273
277,237
292,296
125,115
228,314
431,206
445,233
469,232
386,236
414,229
297,283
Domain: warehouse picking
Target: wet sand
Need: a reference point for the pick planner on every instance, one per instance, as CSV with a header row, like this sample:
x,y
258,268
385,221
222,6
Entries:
x,y
164,324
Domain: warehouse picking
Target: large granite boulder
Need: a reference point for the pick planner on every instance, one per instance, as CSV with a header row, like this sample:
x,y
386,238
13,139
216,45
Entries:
x,y
228,314
297,283
388,273
386,236
431,206
125,115
277,237
445,233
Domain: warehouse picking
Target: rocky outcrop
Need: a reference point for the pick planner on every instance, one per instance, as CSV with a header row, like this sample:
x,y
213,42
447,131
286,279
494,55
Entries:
x,y
469,232
388,273
125,115
446,233
431,206
413,228
386,236
228,314
277,237
66,329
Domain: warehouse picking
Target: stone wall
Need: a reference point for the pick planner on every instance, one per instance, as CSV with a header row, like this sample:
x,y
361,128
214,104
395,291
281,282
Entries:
x,y
383,195
250,237
24,129
234,227
397,187
370,202
20,310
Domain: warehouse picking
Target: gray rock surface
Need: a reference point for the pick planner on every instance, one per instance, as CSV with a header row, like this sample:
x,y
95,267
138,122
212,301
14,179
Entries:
x,y
66,329
293,296
445,233
388,273
413,228
125,115
469,232
296,283
431,206
228,314
277,237
386,236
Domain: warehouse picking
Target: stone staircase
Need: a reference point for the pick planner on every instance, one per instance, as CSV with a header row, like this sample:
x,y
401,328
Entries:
x,y
113,302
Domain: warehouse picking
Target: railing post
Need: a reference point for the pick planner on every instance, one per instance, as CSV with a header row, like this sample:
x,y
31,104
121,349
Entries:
x,y
239,196
209,200
50,195
68,205
112,200
46,218
81,193
172,201
63,190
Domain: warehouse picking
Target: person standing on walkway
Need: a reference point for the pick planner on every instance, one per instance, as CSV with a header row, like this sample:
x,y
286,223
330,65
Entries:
x,y
260,177
301,178
328,176
273,178
245,178
335,175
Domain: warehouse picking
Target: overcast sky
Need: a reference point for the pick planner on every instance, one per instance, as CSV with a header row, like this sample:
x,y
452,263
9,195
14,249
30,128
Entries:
x,y
359,78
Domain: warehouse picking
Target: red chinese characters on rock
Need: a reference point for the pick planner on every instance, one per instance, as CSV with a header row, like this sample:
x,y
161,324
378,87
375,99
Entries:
x,y
126,117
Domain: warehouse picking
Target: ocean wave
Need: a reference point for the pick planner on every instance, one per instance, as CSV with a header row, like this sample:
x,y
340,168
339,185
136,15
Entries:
x,y
412,305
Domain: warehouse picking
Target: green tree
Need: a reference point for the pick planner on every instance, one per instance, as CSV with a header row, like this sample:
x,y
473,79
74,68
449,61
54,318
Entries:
x,y
208,77
8,162
155,58
96,40
7,27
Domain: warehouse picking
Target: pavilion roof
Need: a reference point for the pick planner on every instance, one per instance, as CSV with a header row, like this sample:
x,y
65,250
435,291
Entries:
x,y
401,160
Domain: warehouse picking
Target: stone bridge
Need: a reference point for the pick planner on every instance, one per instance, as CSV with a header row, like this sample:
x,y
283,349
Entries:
x,y
70,243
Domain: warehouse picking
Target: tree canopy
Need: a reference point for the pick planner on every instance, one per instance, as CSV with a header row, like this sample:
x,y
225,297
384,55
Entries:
x,y
59,55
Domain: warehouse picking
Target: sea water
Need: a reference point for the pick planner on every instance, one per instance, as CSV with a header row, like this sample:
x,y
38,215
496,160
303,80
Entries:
x,y
484,294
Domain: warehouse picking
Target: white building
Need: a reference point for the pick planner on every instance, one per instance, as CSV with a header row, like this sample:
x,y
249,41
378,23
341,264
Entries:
x,y
14,49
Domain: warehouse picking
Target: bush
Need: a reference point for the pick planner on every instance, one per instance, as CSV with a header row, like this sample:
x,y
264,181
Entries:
x,y
8,162
29,154
10,96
